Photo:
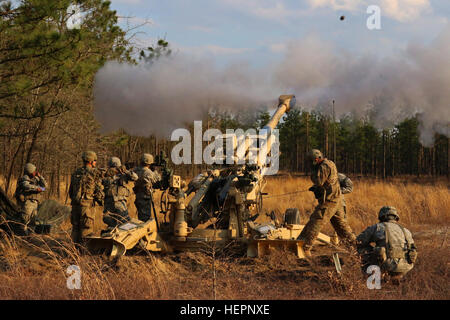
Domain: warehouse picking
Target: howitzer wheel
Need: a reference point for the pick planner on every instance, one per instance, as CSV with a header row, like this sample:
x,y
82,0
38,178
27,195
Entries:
x,y
259,202
292,216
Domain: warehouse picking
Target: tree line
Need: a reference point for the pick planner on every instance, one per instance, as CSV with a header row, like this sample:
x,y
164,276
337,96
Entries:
x,y
47,69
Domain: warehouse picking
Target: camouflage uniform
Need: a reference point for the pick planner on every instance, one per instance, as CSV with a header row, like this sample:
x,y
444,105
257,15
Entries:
x,y
116,195
143,189
328,192
394,251
346,186
85,191
28,196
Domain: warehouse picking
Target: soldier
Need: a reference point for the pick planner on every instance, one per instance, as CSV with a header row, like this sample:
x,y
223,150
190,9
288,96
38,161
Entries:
x,y
327,191
143,187
116,192
85,191
394,252
346,187
28,191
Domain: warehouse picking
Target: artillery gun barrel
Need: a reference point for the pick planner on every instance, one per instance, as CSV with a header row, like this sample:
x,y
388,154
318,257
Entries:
x,y
285,103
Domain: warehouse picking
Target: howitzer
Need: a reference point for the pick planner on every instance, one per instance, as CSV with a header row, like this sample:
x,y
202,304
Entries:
x,y
161,161
223,208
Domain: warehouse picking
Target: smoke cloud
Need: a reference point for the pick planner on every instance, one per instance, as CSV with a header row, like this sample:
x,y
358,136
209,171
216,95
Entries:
x,y
416,81
172,91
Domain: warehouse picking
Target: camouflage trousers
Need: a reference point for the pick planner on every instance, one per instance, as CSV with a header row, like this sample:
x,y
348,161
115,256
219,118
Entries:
x,y
144,208
334,237
28,210
82,219
332,211
369,258
115,212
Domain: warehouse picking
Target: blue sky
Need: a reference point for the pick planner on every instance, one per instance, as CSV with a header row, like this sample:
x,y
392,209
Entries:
x,y
258,31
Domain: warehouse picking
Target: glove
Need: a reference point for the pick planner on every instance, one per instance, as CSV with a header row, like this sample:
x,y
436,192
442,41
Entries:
x,y
317,192
412,256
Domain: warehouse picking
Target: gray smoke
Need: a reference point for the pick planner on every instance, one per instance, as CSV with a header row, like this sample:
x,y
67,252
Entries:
x,y
415,81
174,91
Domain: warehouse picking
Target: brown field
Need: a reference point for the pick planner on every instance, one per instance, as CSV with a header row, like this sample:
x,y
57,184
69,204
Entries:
x,y
36,269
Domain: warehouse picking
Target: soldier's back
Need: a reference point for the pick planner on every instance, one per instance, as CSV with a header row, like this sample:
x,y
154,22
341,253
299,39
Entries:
x,y
84,183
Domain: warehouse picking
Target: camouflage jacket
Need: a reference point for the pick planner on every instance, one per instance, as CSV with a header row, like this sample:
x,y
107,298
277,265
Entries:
x,y
325,179
346,186
27,188
86,186
394,246
399,239
115,183
147,178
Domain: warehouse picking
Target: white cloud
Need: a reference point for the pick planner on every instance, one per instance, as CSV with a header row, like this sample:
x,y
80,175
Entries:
x,y
349,5
405,10
266,9
211,49
225,51
400,10
278,47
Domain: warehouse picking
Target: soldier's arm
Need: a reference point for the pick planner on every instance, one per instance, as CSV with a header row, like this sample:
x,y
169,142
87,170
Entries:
x,y
322,175
365,238
157,176
27,186
410,240
347,186
42,182
71,187
98,191
151,177
132,176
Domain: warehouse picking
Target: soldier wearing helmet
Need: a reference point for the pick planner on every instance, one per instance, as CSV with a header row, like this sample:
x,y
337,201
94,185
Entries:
x,y
28,194
394,252
148,177
85,192
327,191
116,192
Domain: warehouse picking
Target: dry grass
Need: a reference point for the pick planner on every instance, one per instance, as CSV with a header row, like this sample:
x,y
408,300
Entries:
x,y
36,269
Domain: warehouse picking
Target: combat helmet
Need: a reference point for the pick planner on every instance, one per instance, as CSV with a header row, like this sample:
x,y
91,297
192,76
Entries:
x,y
314,154
387,211
147,158
89,156
29,168
114,162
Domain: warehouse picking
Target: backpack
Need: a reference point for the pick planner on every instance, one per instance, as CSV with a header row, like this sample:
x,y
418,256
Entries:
x,y
83,185
397,254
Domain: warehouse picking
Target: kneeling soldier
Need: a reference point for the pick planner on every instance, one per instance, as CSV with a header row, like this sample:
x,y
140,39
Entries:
x,y
394,252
